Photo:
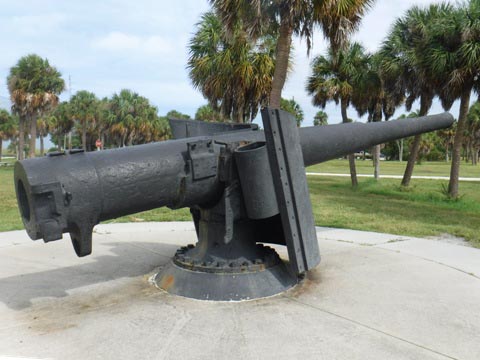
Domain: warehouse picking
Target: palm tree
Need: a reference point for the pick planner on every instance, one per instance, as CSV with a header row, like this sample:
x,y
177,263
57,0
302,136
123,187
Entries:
x,y
104,118
233,72
207,113
149,126
337,19
402,70
372,97
447,136
451,57
320,118
293,108
7,128
60,123
122,108
4,119
177,115
42,130
134,120
83,109
335,77
34,86
158,130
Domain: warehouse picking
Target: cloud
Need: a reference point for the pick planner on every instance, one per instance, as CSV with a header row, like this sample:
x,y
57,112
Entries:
x,y
36,25
119,41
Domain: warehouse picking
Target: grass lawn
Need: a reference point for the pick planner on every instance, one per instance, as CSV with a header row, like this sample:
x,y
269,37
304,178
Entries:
x,y
384,206
421,210
437,168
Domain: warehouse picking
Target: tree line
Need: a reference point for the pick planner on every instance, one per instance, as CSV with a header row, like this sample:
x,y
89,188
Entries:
x,y
240,57
126,118
430,52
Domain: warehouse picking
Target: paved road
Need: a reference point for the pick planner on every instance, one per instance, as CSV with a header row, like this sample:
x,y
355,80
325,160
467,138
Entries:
x,y
395,176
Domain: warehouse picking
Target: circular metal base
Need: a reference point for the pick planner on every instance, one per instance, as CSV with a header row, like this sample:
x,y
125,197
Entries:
x,y
225,286
253,259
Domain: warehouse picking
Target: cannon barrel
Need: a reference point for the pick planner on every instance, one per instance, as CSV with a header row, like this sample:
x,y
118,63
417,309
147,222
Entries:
x,y
322,143
73,191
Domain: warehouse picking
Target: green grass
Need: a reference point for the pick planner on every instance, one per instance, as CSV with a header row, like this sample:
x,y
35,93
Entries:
x,y
439,168
421,210
9,215
161,214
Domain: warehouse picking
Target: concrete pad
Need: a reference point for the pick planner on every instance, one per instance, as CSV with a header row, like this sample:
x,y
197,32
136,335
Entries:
x,y
362,302
450,251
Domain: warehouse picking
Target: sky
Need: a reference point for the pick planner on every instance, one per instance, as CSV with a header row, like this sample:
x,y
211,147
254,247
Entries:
x,y
105,46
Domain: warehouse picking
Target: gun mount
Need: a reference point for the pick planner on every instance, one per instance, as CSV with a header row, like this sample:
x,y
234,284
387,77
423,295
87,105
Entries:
x,y
244,187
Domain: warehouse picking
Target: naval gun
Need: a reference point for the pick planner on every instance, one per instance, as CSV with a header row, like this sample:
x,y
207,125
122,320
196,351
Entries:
x,y
245,188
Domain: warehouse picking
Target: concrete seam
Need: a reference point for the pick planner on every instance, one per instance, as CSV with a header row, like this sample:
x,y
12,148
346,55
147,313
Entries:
x,y
362,244
370,328
430,260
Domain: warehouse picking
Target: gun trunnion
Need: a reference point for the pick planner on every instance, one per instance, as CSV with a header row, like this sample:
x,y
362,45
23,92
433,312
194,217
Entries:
x,y
244,187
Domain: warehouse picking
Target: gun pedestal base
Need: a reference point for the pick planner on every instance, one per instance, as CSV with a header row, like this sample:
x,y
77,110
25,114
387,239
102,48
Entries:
x,y
215,270
225,286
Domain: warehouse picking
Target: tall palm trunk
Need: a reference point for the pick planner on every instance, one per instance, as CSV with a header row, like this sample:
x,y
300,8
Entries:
x,y
400,149
21,137
33,136
414,149
84,135
1,148
376,162
42,148
351,157
240,117
282,56
457,144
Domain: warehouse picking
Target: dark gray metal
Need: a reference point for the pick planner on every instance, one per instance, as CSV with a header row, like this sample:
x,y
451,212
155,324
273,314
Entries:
x,y
244,285
203,160
261,202
286,164
323,143
226,181
183,128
